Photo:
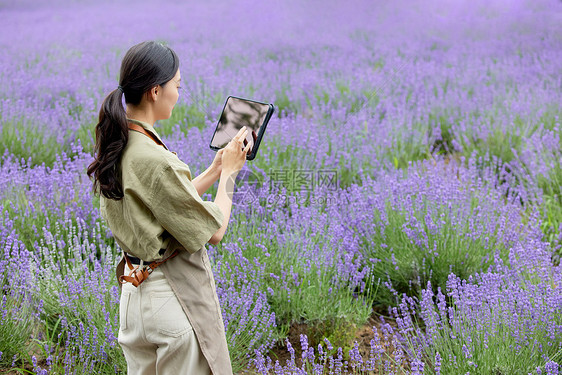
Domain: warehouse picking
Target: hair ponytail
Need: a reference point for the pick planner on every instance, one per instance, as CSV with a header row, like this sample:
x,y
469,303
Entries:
x,y
112,134
144,66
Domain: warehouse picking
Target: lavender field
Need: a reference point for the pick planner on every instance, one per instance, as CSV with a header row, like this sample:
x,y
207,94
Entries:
x,y
410,181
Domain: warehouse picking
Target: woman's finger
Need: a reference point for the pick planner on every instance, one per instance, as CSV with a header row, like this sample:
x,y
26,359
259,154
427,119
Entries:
x,y
243,135
240,132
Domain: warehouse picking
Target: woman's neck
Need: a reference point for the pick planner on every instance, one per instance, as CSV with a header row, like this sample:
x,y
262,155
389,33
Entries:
x,y
140,114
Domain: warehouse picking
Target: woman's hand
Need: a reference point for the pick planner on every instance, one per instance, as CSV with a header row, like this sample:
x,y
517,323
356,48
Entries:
x,y
216,165
234,154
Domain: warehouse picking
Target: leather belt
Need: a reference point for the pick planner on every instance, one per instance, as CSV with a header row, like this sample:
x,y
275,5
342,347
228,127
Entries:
x,y
136,260
137,274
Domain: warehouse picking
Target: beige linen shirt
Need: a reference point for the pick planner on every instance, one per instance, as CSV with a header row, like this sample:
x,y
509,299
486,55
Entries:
x,y
159,201
161,209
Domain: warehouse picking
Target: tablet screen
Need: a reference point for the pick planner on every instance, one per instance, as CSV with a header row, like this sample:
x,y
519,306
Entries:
x,y
236,114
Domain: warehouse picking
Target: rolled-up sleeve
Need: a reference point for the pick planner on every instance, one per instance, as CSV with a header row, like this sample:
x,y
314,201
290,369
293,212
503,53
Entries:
x,y
180,210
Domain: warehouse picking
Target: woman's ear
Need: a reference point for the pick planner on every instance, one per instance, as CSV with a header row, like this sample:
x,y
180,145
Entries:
x,y
153,93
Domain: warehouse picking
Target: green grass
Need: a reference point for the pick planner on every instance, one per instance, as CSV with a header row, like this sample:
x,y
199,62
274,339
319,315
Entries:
x,y
282,168
31,219
186,116
283,104
330,309
86,135
79,326
16,328
30,143
551,209
83,337
304,291
409,265
499,144
405,150
466,347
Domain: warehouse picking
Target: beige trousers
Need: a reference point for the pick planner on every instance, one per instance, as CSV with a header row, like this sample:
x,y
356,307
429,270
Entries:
x,y
154,332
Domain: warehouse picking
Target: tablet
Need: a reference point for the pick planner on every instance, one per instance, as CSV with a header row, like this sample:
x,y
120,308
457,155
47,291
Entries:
x,y
239,112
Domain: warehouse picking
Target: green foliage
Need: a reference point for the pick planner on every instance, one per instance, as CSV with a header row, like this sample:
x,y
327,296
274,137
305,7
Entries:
x,y
550,117
283,104
500,143
551,208
314,295
444,144
63,246
36,145
481,352
302,291
35,224
340,332
346,176
406,150
16,328
408,264
28,225
86,135
186,116
29,143
85,322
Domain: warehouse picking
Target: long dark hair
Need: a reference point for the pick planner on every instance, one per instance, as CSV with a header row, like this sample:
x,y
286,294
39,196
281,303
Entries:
x,y
145,65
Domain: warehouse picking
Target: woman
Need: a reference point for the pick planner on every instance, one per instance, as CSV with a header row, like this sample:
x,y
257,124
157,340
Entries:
x,y
170,319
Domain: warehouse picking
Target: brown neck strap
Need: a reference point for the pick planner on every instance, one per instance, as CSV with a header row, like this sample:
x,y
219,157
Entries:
x,y
142,130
